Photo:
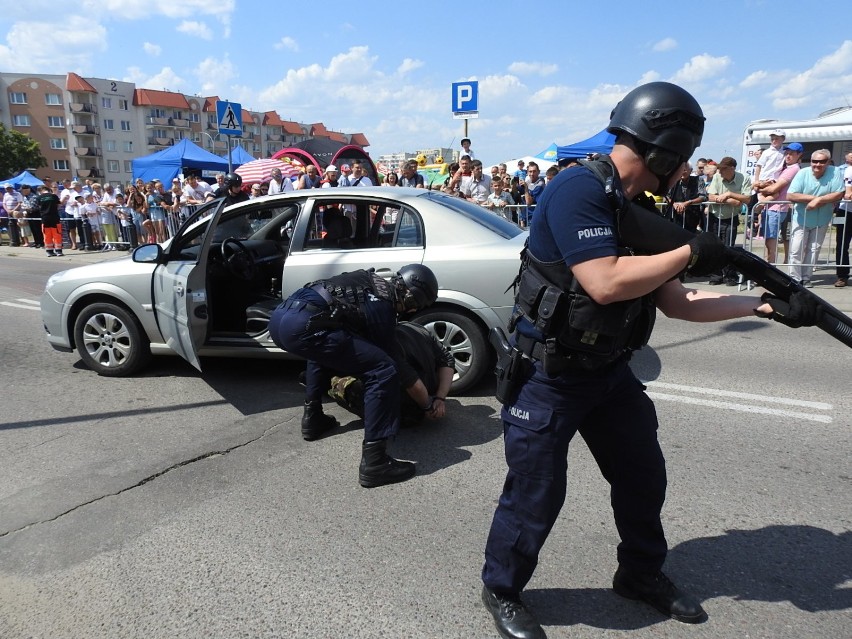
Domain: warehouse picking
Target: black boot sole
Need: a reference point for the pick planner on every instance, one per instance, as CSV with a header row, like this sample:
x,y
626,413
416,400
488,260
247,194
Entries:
x,y
372,481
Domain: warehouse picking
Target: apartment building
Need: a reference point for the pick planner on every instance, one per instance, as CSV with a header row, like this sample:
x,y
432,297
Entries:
x,y
94,127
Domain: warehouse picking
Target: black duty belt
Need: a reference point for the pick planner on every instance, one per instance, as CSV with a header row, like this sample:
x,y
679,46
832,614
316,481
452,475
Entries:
x,y
562,359
302,304
323,292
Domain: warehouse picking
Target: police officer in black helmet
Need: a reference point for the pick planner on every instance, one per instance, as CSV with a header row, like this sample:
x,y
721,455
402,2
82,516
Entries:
x,y
231,190
577,377
345,325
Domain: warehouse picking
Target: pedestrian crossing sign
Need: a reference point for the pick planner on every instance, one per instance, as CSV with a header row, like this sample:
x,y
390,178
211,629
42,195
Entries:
x,y
229,115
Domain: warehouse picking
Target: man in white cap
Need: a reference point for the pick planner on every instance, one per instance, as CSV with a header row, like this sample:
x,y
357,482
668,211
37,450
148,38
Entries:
x,y
331,177
771,161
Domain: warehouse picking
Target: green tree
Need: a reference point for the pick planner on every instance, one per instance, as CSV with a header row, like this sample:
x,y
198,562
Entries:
x,y
18,152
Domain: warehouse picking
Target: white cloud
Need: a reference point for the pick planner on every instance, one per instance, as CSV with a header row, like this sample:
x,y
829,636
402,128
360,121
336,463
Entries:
x,y
648,76
215,75
701,67
287,43
827,83
194,28
152,49
532,68
666,44
72,45
408,65
754,79
135,9
166,79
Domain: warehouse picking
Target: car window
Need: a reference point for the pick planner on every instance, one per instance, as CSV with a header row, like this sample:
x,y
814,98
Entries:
x,y
478,214
410,231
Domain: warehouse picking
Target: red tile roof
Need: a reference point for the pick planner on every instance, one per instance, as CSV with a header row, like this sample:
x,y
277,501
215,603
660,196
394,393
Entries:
x,y
318,130
293,128
75,83
247,119
150,97
360,139
210,104
337,137
271,118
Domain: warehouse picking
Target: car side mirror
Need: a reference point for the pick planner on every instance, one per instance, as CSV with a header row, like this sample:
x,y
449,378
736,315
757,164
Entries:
x,y
148,254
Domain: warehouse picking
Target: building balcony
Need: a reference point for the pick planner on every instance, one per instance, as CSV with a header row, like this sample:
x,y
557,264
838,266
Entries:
x,y
212,126
84,151
181,124
274,137
82,107
90,173
151,120
161,141
85,129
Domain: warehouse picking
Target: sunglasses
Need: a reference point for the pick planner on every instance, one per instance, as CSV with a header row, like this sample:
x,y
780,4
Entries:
x,y
819,161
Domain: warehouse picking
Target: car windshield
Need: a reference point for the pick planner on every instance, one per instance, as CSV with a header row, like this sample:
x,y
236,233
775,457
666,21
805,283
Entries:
x,y
486,218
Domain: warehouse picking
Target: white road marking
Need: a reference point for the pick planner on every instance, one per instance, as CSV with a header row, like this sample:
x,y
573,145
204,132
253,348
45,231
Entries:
x,y
698,390
31,305
751,403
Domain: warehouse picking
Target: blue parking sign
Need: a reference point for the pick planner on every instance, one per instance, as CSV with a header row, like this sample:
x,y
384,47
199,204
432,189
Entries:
x,y
465,96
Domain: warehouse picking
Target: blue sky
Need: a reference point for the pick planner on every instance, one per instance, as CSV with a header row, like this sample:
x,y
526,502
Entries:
x,y
547,72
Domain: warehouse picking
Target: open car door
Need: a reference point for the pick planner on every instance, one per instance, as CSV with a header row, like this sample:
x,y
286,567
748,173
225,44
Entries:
x,y
180,283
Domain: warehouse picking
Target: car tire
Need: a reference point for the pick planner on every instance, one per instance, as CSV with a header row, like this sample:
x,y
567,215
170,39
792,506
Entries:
x,y
466,341
110,340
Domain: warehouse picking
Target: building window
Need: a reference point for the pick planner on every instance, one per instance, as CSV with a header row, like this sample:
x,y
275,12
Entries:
x,y
21,120
16,97
158,113
109,145
125,125
60,165
113,166
52,99
122,105
109,125
211,118
106,103
58,143
193,117
177,115
159,133
55,121
128,166
128,146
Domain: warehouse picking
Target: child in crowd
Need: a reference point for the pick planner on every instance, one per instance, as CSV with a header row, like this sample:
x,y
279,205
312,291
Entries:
x,y
89,211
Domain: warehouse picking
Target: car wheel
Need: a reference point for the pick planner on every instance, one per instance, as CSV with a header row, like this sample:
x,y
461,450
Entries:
x,y
466,342
110,340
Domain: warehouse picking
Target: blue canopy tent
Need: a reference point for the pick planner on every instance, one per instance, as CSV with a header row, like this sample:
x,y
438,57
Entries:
x,y
24,177
166,164
599,143
239,156
550,154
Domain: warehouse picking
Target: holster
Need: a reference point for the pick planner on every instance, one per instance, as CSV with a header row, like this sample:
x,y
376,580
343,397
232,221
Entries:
x,y
512,368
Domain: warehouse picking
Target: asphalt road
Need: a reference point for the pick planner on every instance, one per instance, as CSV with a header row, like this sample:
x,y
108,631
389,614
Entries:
x,y
185,504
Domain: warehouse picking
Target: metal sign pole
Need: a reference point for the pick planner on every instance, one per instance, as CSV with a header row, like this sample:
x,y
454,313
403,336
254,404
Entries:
x,y
229,155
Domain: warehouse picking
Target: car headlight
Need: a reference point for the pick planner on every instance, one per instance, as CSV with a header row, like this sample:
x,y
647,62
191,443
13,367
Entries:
x,y
53,279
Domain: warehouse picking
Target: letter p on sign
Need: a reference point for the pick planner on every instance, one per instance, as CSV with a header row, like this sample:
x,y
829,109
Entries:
x,y
465,96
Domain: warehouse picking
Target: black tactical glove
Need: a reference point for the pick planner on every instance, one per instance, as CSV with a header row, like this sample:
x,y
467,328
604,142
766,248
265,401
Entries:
x,y
709,255
803,309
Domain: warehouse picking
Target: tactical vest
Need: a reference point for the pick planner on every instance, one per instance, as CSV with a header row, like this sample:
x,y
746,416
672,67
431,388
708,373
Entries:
x,y
353,287
573,324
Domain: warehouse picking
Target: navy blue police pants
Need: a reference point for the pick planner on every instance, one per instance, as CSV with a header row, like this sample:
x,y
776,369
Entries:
x,y
618,422
343,353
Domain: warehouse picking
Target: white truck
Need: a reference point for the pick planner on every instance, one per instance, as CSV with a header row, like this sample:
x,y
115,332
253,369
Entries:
x,y
831,130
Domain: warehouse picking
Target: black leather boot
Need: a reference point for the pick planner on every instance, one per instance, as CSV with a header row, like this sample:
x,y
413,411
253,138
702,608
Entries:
x,y
656,589
511,617
314,422
378,468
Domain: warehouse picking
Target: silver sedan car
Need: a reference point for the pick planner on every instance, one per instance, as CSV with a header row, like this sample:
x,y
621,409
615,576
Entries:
x,y
209,291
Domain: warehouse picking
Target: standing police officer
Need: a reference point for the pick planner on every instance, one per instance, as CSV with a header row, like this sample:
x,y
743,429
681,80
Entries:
x,y
346,324
584,303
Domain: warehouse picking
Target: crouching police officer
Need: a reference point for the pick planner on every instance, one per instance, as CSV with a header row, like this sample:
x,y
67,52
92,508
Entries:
x,y
346,324
583,303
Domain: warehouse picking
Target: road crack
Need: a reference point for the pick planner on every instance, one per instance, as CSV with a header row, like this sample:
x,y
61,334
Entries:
x,y
142,482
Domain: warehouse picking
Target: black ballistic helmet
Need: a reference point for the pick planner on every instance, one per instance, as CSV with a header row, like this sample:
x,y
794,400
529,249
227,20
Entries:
x,y
421,284
233,179
660,114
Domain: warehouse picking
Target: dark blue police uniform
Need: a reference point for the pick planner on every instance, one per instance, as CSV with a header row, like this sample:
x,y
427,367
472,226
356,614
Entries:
x,y
607,406
367,352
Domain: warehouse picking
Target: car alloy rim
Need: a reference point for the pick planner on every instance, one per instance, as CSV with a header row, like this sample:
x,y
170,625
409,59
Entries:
x,y
457,341
107,340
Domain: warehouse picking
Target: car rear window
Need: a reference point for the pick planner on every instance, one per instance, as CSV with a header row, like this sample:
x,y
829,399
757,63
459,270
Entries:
x,y
486,218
